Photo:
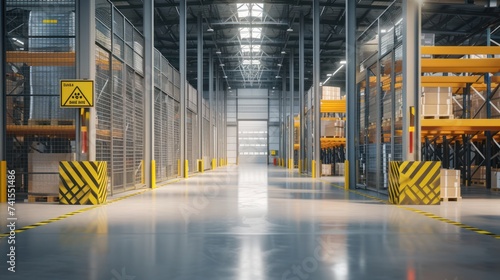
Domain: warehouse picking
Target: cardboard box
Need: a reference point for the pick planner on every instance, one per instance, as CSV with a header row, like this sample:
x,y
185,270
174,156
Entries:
x,y
436,95
450,173
330,93
495,180
437,110
450,192
326,169
48,163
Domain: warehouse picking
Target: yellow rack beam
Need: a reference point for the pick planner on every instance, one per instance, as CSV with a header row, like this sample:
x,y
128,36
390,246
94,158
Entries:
x,y
458,50
333,106
483,65
41,58
462,125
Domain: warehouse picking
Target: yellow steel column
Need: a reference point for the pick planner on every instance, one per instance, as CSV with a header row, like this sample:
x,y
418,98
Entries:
x,y
290,163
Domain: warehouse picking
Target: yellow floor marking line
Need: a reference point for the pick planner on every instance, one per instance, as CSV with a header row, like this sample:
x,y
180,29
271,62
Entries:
x,y
79,211
427,214
67,215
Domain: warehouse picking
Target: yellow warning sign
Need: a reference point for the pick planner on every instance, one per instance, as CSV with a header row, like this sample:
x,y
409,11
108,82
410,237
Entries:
x,y
77,93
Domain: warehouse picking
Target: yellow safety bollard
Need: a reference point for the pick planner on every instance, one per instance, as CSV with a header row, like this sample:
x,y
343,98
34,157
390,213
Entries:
x,y
179,168
201,167
290,163
313,168
153,174
214,163
142,172
3,183
186,168
346,174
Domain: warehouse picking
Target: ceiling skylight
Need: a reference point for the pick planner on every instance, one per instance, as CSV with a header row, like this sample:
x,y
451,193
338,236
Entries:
x,y
246,10
253,33
250,41
251,62
247,48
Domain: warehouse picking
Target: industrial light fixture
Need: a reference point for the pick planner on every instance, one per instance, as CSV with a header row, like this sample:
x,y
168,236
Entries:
x,y
210,29
283,52
218,52
228,87
329,76
225,77
289,29
221,65
279,64
343,62
274,87
278,77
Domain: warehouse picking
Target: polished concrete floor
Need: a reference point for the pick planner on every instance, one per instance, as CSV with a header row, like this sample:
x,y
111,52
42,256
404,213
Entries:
x,y
255,222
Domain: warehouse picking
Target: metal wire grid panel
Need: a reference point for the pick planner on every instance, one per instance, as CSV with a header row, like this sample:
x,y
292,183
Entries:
x,y
40,44
119,86
380,106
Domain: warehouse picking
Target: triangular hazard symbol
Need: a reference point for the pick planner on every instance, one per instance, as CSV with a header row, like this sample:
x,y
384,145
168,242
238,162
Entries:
x,y
77,94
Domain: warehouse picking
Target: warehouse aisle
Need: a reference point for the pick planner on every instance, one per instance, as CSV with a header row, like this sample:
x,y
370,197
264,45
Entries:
x,y
252,222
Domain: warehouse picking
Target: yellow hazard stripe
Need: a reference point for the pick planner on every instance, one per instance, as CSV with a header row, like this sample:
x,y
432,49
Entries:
x,y
417,211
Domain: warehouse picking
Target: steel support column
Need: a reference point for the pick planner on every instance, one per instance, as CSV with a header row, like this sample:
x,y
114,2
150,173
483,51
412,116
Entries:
x,y
214,115
283,128
148,19
182,72
411,78
317,90
283,92
291,74
378,119
85,61
3,97
211,102
200,87
301,131
351,94
487,152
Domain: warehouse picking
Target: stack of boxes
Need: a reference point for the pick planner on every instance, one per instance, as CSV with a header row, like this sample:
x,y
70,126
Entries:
x,y
326,170
478,107
479,177
333,128
330,93
450,184
495,180
339,169
436,102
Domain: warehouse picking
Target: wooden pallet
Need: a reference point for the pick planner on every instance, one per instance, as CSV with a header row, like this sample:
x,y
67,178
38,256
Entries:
x,y
51,122
43,198
451,198
495,189
478,182
438,117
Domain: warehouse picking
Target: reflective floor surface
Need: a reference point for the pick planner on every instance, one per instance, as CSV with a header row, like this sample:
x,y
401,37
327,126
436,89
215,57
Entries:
x,y
254,222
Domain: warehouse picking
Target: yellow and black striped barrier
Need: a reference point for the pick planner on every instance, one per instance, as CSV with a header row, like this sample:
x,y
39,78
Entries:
x,y
415,182
394,182
83,182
